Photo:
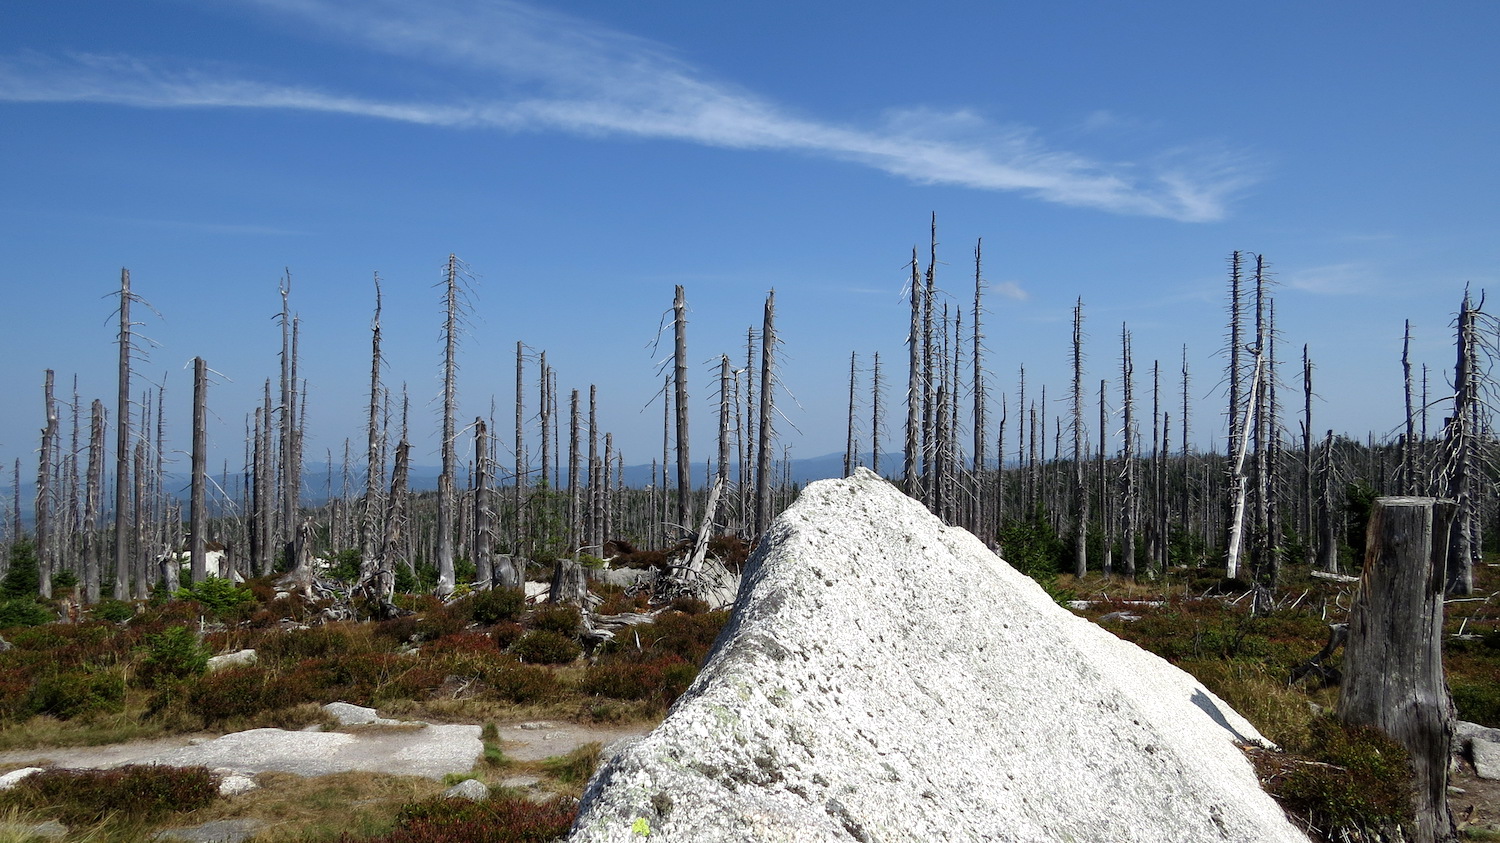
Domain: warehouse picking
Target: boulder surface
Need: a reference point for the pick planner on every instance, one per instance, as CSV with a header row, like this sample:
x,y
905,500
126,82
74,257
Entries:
x,y
885,678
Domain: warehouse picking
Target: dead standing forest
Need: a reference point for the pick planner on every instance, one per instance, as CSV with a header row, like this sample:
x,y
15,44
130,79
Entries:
x,y
1110,483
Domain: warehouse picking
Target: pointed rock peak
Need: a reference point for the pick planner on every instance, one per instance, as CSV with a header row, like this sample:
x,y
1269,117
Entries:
x,y
885,677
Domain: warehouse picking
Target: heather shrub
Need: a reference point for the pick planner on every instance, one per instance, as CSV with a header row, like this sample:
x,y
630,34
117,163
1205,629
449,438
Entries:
x,y
1358,785
74,693
440,621
661,680
541,646
521,684
506,634
138,792
689,637
555,617
233,692
496,605
318,642
500,819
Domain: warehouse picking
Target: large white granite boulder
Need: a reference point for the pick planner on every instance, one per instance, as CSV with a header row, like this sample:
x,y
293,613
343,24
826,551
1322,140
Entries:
x,y
887,678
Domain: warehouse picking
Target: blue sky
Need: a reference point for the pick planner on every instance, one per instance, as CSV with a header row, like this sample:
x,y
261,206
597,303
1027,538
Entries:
x,y
584,157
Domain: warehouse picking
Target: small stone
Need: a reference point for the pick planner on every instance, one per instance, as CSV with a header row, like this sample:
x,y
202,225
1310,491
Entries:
x,y
348,714
232,783
50,830
238,657
519,782
11,779
534,725
473,790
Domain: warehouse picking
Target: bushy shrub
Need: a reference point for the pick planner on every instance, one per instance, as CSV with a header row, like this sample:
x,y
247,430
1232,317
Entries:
x,y
24,611
1477,702
216,594
500,819
142,792
496,605
506,634
558,618
235,692
660,680
23,578
318,642
541,646
114,611
1359,784
521,684
689,637
172,655
74,693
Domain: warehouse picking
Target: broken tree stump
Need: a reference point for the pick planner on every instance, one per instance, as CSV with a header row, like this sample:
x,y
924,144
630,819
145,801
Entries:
x,y
1393,661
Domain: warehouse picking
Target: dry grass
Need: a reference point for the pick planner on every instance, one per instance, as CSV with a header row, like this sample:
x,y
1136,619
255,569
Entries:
x,y
294,808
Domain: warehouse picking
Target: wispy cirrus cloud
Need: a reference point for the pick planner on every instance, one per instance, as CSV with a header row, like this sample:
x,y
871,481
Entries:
x,y
534,70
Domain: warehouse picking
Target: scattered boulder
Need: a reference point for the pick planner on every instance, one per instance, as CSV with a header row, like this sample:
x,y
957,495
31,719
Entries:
x,y
885,677
11,779
217,831
348,714
473,790
1481,745
232,783
238,657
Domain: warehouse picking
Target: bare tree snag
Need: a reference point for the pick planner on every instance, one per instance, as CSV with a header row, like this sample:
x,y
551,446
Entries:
x,y
445,501
122,444
1080,490
92,495
1393,662
767,407
680,391
197,505
909,472
45,552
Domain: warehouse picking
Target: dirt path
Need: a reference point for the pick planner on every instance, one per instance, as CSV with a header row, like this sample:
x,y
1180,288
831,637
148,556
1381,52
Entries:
x,y
373,749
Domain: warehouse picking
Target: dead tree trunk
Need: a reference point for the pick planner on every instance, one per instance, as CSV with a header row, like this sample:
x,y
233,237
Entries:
x,y
445,502
46,553
910,476
122,444
484,516
767,407
92,495
875,415
374,462
519,500
1080,489
1393,663
680,393
1460,454
850,457
197,504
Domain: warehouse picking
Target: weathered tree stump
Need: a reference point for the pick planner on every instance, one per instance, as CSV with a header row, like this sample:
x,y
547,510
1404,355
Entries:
x,y
1393,662
569,585
507,572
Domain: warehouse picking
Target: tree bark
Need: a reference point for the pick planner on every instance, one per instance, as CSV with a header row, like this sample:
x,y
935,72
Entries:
x,y
1393,663
197,505
680,392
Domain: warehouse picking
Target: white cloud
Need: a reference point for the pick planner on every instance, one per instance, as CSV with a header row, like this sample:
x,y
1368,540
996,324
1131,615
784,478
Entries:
x,y
1338,279
1011,290
558,73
